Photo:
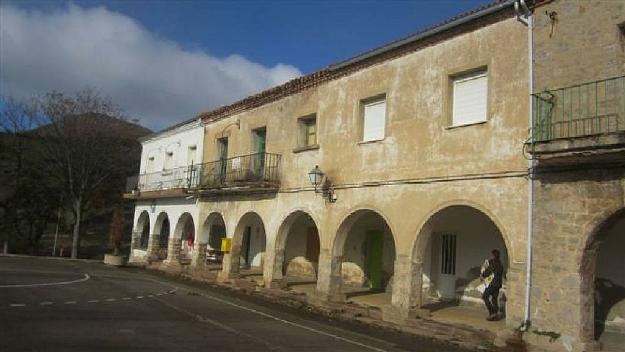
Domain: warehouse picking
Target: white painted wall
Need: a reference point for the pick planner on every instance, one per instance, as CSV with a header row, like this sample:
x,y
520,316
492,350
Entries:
x,y
174,207
177,141
476,237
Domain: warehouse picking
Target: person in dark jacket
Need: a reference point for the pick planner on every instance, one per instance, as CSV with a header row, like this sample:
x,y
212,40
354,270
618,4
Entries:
x,y
492,275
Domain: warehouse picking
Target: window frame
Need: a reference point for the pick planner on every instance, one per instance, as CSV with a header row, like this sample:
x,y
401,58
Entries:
x,y
372,100
304,123
475,73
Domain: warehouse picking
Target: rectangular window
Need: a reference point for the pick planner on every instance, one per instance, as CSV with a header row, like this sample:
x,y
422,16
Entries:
x,y
169,161
448,254
191,155
150,166
470,99
308,130
374,119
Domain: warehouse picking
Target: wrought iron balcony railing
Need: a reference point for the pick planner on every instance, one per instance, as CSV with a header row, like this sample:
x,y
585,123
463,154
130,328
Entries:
x,y
258,169
586,109
181,177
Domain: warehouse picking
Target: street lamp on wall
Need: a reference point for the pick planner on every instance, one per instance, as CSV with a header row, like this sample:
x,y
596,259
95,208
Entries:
x,y
319,181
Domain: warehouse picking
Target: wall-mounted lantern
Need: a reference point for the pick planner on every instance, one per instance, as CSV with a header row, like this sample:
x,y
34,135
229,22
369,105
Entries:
x,y
319,181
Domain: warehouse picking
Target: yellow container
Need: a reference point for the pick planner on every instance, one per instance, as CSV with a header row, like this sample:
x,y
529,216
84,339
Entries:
x,y
226,244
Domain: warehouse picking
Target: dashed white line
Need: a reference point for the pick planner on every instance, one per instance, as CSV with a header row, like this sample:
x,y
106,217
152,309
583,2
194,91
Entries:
x,y
110,299
17,305
45,303
70,302
126,299
139,297
93,301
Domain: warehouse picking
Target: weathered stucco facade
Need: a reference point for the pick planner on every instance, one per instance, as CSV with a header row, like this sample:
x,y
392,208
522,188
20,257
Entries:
x,y
393,210
580,181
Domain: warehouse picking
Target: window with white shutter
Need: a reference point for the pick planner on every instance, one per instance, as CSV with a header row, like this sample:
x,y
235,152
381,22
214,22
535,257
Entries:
x,y
470,94
374,119
169,161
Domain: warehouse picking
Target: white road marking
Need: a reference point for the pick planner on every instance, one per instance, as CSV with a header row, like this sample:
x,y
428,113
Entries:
x,y
126,298
150,296
17,305
110,299
139,297
85,278
289,322
70,302
296,324
45,303
93,301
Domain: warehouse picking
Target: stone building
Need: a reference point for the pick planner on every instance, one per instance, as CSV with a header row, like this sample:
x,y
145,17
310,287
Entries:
x,y
395,173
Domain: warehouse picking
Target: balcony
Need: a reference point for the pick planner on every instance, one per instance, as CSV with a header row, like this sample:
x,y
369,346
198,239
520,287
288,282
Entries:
x,y
245,174
163,184
578,123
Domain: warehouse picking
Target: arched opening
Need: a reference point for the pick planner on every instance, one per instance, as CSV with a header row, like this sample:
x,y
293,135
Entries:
x,y
162,229
297,250
213,231
143,226
185,230
603,281
250,238
366,250
452,246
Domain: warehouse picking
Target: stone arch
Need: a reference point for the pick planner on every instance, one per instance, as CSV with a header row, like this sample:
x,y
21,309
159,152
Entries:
x,y
185,232
369,258
143,227
162,231
210,237
602,295
420,241
248,242
297,247
450,247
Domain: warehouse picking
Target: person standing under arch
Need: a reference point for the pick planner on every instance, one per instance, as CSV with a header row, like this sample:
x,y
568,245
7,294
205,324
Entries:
x,y
492,276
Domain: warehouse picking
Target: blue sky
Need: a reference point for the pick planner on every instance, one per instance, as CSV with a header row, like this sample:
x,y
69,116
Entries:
x,y
250,45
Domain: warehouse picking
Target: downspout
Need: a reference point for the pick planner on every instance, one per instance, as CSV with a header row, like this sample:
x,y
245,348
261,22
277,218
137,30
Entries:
x,y
524,15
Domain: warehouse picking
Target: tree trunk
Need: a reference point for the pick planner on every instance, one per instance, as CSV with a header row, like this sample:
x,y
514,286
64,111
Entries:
x,y
76,235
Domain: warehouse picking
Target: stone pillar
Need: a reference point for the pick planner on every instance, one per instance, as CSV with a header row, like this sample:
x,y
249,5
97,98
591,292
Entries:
x,y
329,279
173,251
406,299
153,246
230,264
198,257
135,241
272,270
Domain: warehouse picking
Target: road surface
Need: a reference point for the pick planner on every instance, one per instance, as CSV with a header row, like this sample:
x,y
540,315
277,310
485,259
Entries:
x,y
61,305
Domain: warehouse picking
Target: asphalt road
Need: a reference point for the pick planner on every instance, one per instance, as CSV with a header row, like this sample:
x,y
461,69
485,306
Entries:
x,y
60,305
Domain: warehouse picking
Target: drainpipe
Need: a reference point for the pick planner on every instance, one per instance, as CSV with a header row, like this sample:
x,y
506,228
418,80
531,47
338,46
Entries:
x,y
524,15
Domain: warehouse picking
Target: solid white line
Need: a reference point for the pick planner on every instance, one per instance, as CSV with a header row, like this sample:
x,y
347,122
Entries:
x,y
70,302
294,324
85,278
17,305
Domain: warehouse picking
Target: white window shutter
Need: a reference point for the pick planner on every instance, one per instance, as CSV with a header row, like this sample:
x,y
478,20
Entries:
x,y
470,99
374,121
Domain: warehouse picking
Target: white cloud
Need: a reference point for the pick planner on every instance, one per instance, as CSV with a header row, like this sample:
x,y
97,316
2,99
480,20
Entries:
x,y
153,79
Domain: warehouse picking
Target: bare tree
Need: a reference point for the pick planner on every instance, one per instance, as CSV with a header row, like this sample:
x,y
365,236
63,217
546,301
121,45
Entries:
x,y
26,198
84,150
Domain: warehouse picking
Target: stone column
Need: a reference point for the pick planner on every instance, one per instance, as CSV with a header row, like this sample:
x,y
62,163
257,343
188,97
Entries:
x,y
230,264
198,257
272,270
329,279
173,251
153,247
135,242
406,299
